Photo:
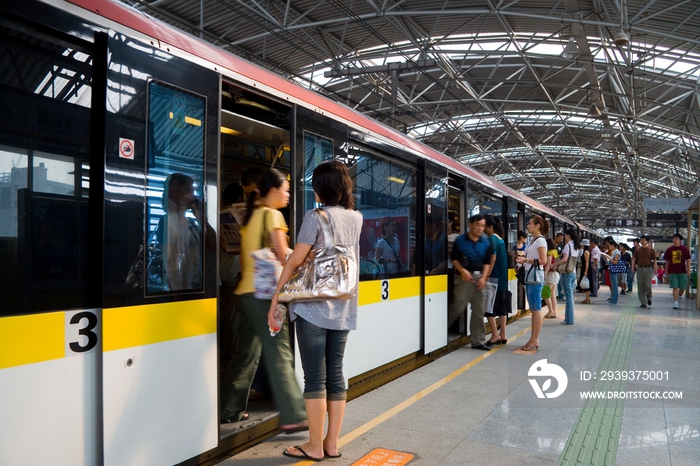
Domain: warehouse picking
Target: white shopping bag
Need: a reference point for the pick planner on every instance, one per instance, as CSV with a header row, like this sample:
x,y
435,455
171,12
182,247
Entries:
x,y
489,296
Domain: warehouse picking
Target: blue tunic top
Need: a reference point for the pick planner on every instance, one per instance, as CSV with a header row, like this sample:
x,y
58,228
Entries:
x,y
500,268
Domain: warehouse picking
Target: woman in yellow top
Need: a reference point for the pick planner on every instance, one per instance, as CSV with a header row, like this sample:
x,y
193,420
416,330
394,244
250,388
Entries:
x,y
263,225
551,279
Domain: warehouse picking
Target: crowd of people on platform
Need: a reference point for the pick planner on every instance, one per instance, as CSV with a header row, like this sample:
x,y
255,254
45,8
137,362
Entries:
x,y
551,270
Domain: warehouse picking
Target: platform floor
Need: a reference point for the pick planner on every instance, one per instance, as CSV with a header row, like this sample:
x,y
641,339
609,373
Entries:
x,y
476,408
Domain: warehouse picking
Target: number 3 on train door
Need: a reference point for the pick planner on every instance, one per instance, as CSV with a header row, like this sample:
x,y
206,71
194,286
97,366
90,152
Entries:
x,y
385,290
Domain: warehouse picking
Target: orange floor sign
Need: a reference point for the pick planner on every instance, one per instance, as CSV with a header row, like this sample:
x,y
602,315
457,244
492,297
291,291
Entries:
x,y
380,456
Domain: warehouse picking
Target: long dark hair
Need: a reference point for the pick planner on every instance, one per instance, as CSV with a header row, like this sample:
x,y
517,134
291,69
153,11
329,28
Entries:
x,y
495,223
574,237
333,184
271,178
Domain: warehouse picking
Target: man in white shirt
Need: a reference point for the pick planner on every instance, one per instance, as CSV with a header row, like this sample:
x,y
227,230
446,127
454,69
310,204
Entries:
x,y
595,266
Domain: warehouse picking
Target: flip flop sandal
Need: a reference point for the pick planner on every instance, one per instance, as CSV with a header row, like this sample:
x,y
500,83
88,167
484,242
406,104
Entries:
x,y
303,456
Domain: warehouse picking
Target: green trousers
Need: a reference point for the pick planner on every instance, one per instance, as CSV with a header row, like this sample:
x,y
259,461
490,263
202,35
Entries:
x,y
254,340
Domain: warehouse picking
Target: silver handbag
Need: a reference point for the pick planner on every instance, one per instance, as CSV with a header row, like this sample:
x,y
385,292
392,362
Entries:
x,y
328,272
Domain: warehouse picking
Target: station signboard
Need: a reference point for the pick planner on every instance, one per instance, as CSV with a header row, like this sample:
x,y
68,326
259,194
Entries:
x,y
623,222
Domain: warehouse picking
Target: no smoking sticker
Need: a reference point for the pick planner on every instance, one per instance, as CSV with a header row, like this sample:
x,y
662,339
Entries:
x,y
126,148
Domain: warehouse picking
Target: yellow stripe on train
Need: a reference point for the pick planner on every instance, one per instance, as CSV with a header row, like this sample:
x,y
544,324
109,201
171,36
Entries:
x,y
127,327
377,291
32,338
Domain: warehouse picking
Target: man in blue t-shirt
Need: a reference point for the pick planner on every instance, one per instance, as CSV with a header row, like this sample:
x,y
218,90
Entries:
x,y
471,258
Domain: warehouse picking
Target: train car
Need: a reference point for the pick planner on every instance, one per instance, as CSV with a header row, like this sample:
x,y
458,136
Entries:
x,y
111,358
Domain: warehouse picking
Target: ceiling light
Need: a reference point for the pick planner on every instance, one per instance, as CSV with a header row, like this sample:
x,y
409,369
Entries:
x,y
571,50
621,39
230,131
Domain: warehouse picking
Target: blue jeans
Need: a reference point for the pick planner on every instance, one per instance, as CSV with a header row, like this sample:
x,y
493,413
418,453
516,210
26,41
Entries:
x,y
569,281
630,280
534,296
560,290
321,351
614,287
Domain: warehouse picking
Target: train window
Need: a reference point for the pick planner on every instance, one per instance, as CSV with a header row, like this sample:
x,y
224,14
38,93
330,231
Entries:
x,y
473,201
45,98
385,193
175,174
491,206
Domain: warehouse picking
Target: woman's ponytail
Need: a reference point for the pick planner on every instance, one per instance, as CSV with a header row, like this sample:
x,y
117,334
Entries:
x,y
253,196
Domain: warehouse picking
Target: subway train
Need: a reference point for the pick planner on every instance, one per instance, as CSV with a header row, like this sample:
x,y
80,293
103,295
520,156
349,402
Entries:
x,y
108,361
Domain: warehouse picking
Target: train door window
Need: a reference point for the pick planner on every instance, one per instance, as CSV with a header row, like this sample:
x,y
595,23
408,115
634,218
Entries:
x,y
385,193
45,98
317,149
435,221
491,206
473,201
174,183
513,226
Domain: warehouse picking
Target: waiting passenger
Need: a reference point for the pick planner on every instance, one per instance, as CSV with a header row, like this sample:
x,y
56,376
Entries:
x,y
586,270
559,243
535,256
551,280
521,244
627,258
595,268
615,267
499,276
678,259
471,258
322,327
644,264
571,249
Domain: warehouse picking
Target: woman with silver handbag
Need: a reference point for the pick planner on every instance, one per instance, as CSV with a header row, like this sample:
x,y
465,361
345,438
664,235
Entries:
x,y
323,323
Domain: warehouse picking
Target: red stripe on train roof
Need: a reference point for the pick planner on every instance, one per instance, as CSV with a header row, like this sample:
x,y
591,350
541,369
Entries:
x,y
131,18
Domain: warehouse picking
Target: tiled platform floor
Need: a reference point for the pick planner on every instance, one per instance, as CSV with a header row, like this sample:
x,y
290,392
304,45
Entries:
x,y
489,413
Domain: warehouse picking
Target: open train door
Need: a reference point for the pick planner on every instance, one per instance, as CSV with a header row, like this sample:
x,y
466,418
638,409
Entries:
x,y
160,266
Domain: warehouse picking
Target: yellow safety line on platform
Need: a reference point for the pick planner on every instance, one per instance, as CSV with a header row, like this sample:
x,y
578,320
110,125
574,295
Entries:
x,y
344,440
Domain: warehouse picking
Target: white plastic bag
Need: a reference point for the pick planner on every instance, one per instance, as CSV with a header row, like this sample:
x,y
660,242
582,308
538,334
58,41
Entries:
x,y
489,296
585,284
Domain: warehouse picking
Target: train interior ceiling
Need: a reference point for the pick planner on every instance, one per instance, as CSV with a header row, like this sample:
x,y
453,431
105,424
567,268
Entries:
x,y
255,132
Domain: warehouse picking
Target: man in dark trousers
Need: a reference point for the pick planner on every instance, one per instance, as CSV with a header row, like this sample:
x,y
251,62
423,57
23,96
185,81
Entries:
x,y
471,258
644,263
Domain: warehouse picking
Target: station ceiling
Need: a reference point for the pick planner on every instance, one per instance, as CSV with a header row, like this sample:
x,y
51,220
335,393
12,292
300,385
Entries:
x,y
589,133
